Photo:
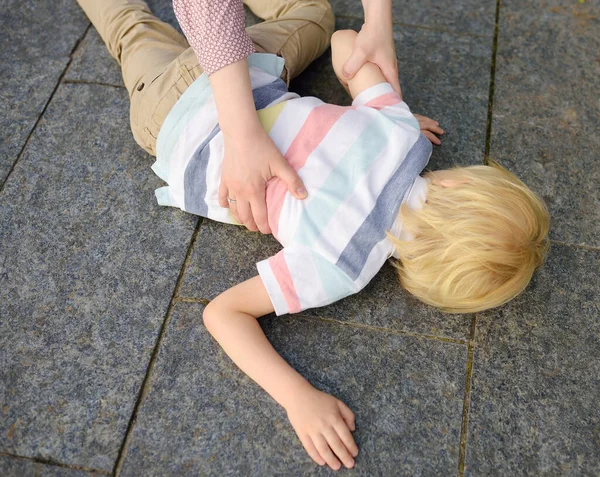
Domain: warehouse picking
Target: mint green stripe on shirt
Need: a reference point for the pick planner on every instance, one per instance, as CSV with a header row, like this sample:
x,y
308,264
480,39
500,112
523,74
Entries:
x,y
342,180
334,282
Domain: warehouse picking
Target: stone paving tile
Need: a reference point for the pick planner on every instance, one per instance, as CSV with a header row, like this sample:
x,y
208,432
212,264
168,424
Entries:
x,y
37,38
534,407
15,467
203,416
92,61
466,16
546,109
443,76
225,255
88,264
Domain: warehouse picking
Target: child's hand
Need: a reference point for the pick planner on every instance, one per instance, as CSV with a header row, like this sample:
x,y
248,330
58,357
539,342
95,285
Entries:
x,y
429,127
323,424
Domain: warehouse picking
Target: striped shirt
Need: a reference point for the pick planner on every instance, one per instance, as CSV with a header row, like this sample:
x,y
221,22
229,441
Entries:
x,y
358,163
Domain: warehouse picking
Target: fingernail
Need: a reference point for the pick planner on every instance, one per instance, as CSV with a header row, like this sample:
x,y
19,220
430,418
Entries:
x,y
301,192
350,463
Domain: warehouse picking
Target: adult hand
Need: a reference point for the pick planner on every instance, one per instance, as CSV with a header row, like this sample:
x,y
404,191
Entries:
x,y
375,43
251,160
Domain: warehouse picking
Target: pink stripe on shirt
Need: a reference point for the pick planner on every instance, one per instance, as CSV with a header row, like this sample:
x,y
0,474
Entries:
x,y
284,279
388,99
311,134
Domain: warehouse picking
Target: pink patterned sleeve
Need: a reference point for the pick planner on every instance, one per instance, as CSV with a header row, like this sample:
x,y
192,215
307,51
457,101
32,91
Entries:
x,y
215,29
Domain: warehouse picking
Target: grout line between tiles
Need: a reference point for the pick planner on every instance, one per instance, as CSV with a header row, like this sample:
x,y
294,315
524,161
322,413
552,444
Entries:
x,y
98,83
183,299
35,125
39,460
488,131
464,428
386,330
145,387
421,27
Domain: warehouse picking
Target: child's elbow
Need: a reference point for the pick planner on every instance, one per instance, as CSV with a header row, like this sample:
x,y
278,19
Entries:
x,y
210,315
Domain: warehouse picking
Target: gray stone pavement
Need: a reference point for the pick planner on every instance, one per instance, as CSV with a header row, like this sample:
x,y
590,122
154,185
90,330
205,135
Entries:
x,y
105,366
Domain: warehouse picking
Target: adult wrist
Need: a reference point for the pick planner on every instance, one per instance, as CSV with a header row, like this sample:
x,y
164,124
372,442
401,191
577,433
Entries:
x,y
245,130
378,12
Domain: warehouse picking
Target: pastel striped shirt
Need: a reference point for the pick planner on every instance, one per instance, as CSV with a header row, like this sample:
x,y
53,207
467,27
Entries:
x,y
358,163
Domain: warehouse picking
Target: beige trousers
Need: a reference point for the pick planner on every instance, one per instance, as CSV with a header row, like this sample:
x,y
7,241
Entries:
x,y
158,64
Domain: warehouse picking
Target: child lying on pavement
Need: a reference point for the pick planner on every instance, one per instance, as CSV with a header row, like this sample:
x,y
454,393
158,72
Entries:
x,y
464,239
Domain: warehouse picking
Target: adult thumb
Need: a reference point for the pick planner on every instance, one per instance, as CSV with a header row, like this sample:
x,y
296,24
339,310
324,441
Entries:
x,y
353,64
291,180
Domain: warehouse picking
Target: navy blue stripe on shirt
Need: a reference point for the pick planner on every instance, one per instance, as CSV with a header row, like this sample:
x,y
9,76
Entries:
x,y
195,177
382,217
268,93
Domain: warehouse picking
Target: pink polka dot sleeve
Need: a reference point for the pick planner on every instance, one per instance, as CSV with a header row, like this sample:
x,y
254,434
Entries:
x,y
215,29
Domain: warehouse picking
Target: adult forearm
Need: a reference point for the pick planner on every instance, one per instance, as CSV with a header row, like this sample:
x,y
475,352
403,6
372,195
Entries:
x,y
235,104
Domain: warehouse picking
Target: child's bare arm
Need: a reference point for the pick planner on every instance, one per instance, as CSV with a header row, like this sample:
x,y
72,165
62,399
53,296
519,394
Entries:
x,y
322,422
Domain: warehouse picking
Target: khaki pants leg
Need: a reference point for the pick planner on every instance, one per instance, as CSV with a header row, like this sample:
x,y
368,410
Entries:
x,y
158,65
145,48
297,30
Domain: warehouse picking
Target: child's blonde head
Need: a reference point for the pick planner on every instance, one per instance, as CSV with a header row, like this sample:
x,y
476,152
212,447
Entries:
x,y
477,239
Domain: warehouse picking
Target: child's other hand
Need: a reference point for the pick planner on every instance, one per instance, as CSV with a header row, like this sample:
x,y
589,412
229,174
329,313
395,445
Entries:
x,y
429,127
324,424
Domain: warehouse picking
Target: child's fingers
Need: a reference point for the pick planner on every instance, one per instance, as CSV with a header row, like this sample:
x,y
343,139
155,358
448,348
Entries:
x,y
432,137
347,415
311,449
346,437
435,128
338,447
325,451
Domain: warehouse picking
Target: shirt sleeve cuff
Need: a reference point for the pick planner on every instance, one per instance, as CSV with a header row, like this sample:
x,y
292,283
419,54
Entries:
x,y
272,287
371,93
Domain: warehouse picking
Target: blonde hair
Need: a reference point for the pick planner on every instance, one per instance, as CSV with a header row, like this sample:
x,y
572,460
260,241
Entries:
x,y
476,241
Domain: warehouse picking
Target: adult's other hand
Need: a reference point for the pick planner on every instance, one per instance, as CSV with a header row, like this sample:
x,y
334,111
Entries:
x,y
375,44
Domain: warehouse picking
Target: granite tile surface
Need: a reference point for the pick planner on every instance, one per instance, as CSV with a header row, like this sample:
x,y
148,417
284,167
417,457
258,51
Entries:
x,y
93,63
225,255
88,265
203,416
15,467
37,39
536,378
546,109
467,16
443,76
